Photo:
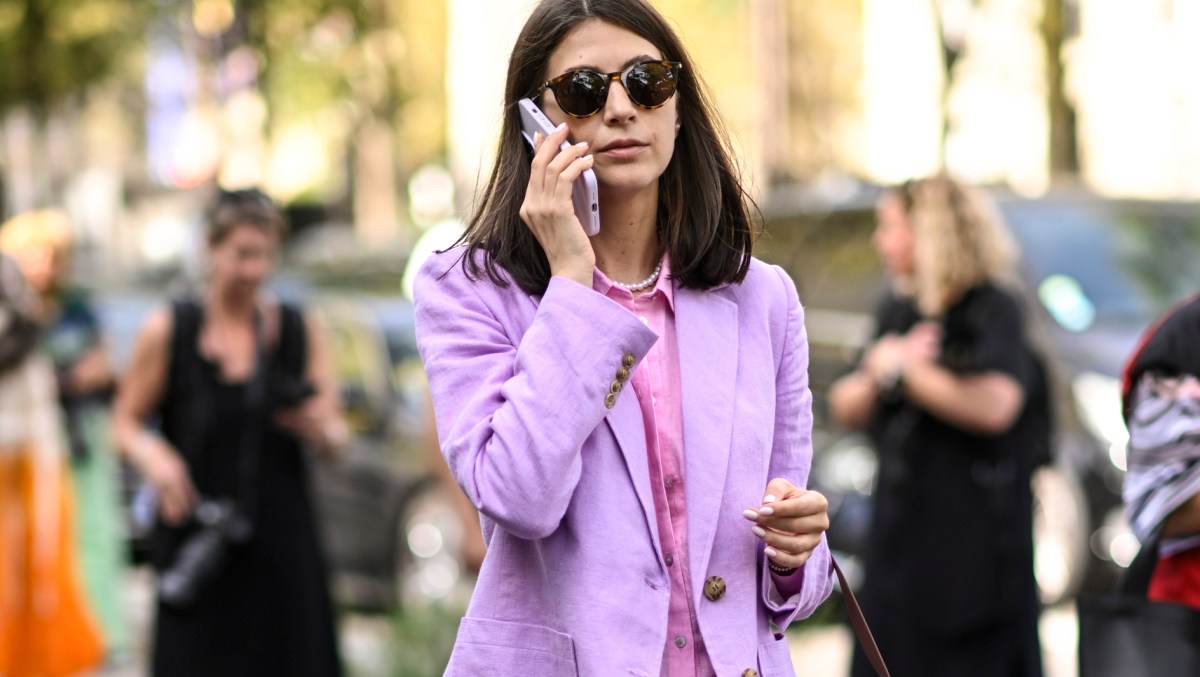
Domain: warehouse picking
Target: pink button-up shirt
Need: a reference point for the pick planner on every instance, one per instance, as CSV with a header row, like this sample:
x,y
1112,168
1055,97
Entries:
x,y
657,385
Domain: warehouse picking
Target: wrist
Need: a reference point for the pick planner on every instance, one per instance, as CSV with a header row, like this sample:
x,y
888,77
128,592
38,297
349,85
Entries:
x,y
779,570
890,383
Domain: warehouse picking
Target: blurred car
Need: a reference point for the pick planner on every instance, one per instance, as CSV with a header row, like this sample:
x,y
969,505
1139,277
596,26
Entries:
x,y
390,532
1093,273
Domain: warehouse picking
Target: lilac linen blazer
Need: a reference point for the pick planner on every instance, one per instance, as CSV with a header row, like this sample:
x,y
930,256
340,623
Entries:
x,y
574,582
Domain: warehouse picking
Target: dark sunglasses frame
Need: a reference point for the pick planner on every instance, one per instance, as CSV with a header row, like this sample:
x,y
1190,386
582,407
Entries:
x,y
673,69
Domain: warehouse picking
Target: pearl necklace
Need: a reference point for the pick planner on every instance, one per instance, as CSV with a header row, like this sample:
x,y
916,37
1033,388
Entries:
x,y
638,286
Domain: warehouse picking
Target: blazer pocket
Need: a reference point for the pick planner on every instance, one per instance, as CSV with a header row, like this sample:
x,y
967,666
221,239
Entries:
x,y
488,647
775,659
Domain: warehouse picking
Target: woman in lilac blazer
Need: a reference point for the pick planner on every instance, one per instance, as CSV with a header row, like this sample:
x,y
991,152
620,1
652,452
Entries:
x,y
638,450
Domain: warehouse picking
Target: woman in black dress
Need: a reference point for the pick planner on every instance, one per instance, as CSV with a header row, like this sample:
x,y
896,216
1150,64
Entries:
x,y
952,397
232,427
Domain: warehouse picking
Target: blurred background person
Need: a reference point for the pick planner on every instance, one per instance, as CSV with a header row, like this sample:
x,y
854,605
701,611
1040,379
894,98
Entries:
x,y
946,392
266,609
1162,487
41,243
46,627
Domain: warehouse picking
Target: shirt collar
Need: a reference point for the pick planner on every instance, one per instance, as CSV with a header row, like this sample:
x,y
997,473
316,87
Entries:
x,y
664,285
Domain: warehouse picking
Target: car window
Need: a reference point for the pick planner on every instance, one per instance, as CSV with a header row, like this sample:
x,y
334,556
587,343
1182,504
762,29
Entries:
x,y
1107,261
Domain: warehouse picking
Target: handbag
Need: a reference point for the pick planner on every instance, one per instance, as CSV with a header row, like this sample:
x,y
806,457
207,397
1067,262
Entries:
x,y
1126,634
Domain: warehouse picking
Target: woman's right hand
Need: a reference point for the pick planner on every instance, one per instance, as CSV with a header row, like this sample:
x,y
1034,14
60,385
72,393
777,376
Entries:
x,y
548,210
163,467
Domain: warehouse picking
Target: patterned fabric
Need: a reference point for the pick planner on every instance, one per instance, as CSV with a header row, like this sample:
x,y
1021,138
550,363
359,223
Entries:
x,y
1164,455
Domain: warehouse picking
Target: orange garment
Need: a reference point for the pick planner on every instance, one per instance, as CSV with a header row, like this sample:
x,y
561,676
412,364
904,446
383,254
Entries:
x,y
45,628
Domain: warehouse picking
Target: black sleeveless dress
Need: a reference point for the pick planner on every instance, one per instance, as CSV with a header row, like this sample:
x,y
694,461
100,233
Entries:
x,y
268,611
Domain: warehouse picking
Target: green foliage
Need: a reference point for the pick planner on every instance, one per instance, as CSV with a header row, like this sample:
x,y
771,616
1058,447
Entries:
x,y
52,49
424,639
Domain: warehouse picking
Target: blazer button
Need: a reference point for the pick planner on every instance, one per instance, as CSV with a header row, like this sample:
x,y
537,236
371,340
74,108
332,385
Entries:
x,y
615,387
627,360
714,588
610,401
750,672
623,374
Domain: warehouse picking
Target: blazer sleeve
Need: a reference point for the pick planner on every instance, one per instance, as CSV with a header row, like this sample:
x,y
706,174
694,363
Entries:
x,y
791,459
513,414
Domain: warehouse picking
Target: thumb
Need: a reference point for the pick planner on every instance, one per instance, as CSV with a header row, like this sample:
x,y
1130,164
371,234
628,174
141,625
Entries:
x,y
778,489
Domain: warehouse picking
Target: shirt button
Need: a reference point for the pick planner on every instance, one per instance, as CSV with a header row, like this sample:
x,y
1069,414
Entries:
x,y
670,559
680,641
670,482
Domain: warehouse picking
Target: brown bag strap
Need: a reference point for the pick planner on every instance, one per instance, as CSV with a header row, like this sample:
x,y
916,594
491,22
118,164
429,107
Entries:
x,y
861,630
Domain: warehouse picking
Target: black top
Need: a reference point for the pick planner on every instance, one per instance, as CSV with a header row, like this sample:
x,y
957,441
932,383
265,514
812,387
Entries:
x,y
951,549
268,612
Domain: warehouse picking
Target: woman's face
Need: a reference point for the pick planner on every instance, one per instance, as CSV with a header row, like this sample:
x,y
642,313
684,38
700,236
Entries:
x,y
893,237
242,261
43,266
632,146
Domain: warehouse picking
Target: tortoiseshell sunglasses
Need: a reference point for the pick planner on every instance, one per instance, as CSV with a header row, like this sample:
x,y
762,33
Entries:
x,y
583,92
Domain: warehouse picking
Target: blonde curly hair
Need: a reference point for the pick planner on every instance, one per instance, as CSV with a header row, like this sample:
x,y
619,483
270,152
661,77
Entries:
x,y
960,241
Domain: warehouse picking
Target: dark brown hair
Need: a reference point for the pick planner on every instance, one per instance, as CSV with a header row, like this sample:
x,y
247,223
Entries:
x,y
247,207
703,211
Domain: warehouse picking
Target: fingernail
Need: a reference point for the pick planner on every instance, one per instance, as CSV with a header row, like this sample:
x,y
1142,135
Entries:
x,y
561,126
771,552
750,515
586,157
759,531
766,511
769,498
537,136
581,144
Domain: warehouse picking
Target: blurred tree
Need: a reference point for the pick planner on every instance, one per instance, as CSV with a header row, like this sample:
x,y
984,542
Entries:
x,y
368,77
52,53
51,50
1057,24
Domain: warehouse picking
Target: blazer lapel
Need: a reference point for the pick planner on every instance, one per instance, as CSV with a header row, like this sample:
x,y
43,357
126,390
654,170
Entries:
x,y
628,428
706,326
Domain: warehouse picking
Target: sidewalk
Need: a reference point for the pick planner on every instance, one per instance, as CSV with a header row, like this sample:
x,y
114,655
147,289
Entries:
x,y
366,641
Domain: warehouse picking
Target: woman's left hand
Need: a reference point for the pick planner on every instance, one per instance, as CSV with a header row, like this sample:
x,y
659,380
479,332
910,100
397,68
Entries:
x,y
790,522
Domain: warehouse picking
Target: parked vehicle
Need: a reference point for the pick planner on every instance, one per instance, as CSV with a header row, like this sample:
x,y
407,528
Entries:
x,y
390,532
1094,273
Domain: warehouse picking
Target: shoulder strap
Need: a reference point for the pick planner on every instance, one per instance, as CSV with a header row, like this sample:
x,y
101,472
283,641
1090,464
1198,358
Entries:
x,y
862,631
183,373
1135,581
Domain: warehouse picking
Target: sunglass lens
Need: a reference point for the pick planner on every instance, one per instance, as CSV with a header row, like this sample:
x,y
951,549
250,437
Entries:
x,y
651,84
582,93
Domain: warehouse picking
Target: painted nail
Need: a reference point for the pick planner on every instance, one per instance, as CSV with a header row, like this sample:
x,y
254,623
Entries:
x,y
561,126
766,511
537,138
759,531
581,144
771,552
769,498
586,157
750,515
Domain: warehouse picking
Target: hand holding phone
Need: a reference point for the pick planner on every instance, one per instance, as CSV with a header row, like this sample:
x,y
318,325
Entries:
x,y
584,194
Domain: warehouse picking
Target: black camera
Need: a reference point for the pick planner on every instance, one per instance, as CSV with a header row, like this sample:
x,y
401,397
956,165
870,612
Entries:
x,y
203,554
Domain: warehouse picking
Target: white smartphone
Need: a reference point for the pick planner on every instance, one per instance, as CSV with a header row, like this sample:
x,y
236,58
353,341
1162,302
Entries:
x,y
584,193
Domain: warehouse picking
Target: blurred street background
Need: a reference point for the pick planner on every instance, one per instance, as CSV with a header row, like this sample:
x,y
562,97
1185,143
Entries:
x,y
372,121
